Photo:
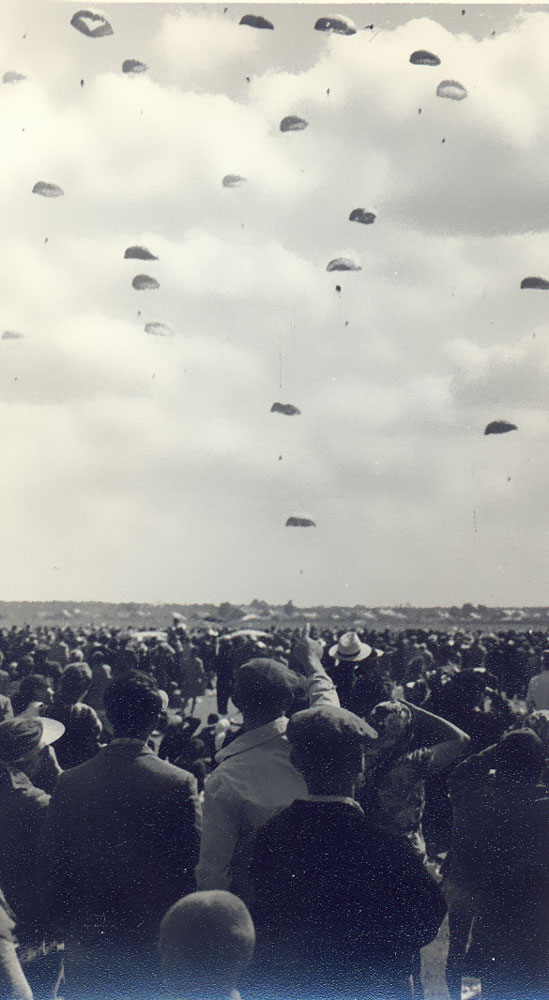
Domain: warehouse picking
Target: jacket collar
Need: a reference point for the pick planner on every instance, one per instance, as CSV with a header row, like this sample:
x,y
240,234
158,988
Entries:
x,y
253,738
127,747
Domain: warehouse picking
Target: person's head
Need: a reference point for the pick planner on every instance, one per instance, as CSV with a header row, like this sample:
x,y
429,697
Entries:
x,y
33,687
545,659
132,705
97,658
263,690
327,748
520,757
25,665
393,722
74,682
206,943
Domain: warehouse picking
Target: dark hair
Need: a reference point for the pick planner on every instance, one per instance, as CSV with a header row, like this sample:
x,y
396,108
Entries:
x,y
97,657
132,704
33,687
74,682
520,756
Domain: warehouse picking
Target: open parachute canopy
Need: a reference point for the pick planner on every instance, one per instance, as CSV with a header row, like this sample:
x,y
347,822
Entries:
x,y
144,283
300,521
256,21
90,24
158,330
451,89
361,215
500,427
133,66
343,264
288,409
11,335
11,76
47,190
534,283
424,58
337,24
233,180
139,253
293,124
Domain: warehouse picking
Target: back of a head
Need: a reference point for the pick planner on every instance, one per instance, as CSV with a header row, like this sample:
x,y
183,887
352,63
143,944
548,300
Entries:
x,y
206,942
326,740
132,704
74,682
264,687
520,757
97,658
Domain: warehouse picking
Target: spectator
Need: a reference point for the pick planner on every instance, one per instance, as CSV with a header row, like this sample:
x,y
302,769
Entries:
x,y
33,695
359,674
537,696
499,868
23,808
413,745
100,680
337,900
82,726
120,846
255,777
206,944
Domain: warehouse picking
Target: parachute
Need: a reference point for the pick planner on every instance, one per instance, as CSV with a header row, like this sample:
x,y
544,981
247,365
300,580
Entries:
x,y
256,21
47,190
293,124
343,264
534,283
361,215
92,25
144,283
11,335
133,66
338,25
233,180
139,253
158,330
11,76
500,427
452,89
288,409
423,58
300,522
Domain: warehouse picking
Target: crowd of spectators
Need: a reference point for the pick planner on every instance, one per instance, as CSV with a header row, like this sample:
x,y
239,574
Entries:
x,y
353,791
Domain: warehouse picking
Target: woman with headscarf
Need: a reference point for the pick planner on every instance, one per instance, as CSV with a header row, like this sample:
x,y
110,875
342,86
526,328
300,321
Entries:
x,y
412,745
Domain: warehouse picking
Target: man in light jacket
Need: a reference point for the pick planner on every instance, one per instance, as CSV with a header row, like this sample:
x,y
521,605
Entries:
x,y
255,778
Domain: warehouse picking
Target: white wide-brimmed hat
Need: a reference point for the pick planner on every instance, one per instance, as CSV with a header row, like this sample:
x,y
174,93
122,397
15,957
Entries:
x,y
351,648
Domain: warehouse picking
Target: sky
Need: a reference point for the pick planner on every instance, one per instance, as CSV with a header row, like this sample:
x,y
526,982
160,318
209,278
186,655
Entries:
x,y
138,467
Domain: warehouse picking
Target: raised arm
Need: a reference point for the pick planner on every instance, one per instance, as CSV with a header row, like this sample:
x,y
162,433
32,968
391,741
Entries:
x,y
447,741
305,659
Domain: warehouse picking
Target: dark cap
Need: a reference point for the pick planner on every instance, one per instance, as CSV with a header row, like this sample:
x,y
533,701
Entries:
x,y
327,727
264,684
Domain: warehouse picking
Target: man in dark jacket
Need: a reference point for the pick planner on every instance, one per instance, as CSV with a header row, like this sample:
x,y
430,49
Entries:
x,y
340,907
120,846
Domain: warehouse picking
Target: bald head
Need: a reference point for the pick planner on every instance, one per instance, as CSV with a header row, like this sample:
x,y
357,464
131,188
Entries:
x,y
206,942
